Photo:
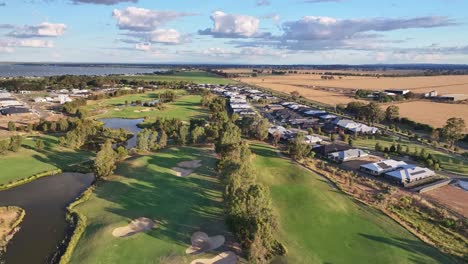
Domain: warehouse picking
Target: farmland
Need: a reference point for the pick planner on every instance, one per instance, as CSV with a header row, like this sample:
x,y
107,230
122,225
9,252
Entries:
x,y
29,161
321,225
186,76
145,186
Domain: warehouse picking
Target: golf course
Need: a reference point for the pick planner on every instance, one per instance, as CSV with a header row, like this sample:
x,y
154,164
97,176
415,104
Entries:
x,y
198,77
29,161
319,224
146,186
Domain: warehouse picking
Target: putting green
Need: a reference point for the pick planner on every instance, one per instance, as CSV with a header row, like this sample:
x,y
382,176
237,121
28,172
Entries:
x,y
146,187
319,224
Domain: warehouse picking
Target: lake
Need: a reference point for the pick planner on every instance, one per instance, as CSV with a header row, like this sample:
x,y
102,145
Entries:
x,y
44,226
127,124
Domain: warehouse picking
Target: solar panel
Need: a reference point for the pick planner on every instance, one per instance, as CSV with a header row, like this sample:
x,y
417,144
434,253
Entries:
x,y
417,173
383,165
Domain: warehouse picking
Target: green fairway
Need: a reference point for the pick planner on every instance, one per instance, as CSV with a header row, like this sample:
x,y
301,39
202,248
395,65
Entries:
x,y
321,225
199,77
27,162
448,162
184,107
145,187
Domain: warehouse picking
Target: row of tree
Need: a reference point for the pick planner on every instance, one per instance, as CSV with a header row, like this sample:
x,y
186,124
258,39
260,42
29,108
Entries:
x,y
13,144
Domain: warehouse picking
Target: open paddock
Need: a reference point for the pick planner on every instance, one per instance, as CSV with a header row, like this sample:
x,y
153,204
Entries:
x,y
452,196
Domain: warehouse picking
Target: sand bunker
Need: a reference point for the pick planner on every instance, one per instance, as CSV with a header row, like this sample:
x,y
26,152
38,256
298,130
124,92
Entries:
x,y
201,243
138,225
227,257
185,168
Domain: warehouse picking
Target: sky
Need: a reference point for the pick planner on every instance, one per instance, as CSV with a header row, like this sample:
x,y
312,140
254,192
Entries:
x,y
228,32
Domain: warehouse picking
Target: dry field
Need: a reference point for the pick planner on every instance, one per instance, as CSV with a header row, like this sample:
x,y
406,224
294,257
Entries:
x,y
434,114
443,84
452,196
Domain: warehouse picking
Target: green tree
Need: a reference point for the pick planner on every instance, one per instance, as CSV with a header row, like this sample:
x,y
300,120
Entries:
x,y
183,135
162,143
143,138
11,126
104,164
15,143
298,148
261,129
122,153
374,113
392,113
153,140
198,134
39,144
3,146
454,130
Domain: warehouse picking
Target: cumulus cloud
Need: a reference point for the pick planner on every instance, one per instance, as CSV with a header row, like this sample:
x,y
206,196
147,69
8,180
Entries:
x,y
103,2
327,28
141,19
239,53
45,29
162,36
8,45
233,26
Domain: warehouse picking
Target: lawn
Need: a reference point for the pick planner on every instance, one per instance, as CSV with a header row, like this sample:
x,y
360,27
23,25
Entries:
x,y
321,225
184,107
448,162
198,77
28,161
145,187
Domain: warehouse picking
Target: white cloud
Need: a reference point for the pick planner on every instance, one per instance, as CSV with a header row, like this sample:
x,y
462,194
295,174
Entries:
x,y
232,26
143,46
162,36
9,45
141,19
45,29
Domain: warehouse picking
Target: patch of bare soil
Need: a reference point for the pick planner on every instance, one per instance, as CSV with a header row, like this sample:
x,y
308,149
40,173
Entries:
x,y
451,196
185,168
227,257
201,243
136,226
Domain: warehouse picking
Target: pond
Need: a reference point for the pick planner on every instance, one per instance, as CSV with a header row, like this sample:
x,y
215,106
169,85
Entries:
x,y
127,124
44,227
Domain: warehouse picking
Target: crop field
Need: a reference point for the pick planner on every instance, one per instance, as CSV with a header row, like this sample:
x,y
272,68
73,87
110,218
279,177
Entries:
x,y
145,186
184,107
434,114
190,76
28,161
319,224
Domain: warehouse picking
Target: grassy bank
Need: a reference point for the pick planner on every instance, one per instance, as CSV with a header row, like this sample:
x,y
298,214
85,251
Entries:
x,y
10,218
319,224
144,186
28,161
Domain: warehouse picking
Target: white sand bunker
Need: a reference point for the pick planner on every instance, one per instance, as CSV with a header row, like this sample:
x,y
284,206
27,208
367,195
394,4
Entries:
x,y
227,257
138,225
185,168
201,243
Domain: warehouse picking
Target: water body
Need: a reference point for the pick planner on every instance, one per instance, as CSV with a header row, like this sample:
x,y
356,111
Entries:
x,y
44,227
42,70
127,124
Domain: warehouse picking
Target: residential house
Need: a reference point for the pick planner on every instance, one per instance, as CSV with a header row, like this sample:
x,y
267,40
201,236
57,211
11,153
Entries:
x,y
346,155
383,166
409,174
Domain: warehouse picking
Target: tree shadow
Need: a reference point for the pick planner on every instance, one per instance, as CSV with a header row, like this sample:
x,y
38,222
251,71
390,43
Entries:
x,y
417,247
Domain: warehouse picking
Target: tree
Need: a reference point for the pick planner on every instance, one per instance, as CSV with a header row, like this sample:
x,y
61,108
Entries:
x,y
63,124
11,126
39,144
261,129
276,138
104,164
230,135
298,148
153,140
373,113
122,153
392,113
15,143
378,147
454,130
29,128
350,142
198,134
143,140
3,146
183,135
435,135
332,137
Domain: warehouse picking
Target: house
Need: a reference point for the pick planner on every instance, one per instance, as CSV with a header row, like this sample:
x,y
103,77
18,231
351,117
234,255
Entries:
x,y
323,150
63,98
355,127
13,110
452,97
409,174
315,113
383,166
346,155
273,107
40,100
327,117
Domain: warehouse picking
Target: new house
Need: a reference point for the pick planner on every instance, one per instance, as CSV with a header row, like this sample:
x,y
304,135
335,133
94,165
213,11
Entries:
x,y
409,174
346,155
383,166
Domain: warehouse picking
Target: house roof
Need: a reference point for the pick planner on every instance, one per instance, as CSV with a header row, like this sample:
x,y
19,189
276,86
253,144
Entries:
x,y
325,149
384,165
14,110
349,154
410,172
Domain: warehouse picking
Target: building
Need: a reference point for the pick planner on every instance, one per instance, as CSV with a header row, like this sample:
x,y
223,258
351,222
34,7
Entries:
x,y
452,97
327,117
63,98
346,155
355,127
312,140
13,110
409,174
323,150
397,91
273,107
383,166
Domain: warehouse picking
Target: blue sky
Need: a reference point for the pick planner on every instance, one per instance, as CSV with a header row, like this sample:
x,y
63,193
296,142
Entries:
x,y
242,31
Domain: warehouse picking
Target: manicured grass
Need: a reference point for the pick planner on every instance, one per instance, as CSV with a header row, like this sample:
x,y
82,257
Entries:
x,y
184,107
28,161
145,187
190,76
321,225
455,165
